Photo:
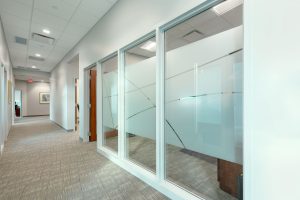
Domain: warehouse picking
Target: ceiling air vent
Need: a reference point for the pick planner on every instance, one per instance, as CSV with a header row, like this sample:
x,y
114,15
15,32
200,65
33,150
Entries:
x,y
20,40
43,39
193,36
36,58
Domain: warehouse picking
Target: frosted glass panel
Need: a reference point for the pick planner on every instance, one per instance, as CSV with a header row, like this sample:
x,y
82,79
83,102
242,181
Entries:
x,y
140,105
203,104
110,103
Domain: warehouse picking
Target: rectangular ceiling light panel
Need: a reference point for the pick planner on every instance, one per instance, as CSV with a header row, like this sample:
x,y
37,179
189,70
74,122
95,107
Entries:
x,y
36,58
226,6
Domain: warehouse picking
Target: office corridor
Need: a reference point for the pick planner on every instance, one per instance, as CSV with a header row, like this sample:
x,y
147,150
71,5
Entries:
x,y
42,161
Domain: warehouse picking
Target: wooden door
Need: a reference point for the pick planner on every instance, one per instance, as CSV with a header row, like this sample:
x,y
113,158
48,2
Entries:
x,y
93,105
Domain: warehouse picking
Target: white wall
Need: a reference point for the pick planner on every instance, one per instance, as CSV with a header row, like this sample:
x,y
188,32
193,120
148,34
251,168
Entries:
x,y
112,32
271,82
33,103
30,97
272,96
6,108
62,103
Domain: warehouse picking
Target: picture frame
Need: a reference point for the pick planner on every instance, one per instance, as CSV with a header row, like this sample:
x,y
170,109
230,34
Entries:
x,y
44,97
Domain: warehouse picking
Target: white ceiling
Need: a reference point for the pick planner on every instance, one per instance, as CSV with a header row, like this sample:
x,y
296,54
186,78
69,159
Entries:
x,y
68,21
36,76
205,24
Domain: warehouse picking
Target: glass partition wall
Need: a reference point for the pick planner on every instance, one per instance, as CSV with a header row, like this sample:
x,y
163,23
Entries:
x,y
203,102
140,105
200,91
110,102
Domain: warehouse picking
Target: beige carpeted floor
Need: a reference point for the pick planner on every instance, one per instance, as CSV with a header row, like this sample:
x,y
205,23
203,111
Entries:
x,y
42,161
196,173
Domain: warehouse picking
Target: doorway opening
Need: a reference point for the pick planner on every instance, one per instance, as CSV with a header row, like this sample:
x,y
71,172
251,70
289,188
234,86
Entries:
x,y
76,104
18,103
93,104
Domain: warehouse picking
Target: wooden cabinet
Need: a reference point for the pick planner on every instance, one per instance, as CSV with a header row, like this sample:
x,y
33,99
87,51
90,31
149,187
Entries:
x,y
228,176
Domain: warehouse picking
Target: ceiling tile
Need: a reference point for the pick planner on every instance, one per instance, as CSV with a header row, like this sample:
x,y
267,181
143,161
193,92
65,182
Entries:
x,y
17,48
175,43
67,41
178,31
96,7
37,64
18,60
75,30
15,21
42,47
235,16
83,18
68,21
25,2
201,18
56,8
12,31
17,9
213,26
34,48
48,20
73,2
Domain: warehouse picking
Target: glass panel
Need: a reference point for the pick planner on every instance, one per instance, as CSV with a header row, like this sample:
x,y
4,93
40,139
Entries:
x,y
110,102
140,105
203,102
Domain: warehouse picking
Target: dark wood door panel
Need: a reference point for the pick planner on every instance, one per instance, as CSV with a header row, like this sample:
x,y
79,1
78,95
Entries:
x,y
93,107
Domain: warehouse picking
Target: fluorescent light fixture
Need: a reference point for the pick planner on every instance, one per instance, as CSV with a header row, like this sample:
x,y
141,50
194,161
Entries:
x,y
33,67
38,55
149,46
226,6
46,31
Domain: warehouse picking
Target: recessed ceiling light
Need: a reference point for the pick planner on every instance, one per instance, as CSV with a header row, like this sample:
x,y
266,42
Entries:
x,y
226,6
38,55
46,31
149,46
33,67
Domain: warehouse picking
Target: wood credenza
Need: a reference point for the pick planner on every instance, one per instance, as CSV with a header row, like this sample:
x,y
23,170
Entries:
x,y
228,176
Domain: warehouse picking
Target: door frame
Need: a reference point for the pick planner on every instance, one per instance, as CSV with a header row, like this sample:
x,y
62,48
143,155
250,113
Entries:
x,y
84,115
76,114
21,100
92,109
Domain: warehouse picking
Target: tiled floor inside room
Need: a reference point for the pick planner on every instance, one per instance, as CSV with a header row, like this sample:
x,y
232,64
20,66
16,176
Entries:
x,y
42,161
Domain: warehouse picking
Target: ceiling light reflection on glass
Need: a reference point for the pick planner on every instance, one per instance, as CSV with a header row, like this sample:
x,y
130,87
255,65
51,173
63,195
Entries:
x,y
226,6
37,55
149,46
